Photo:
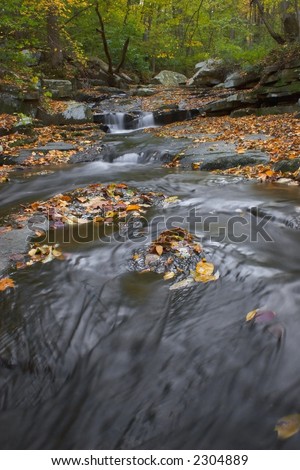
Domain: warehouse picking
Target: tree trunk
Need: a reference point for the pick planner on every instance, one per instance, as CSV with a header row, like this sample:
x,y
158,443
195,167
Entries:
x,y
279,39
54,38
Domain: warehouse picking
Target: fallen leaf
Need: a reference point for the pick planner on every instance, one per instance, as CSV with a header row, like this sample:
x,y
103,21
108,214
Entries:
x,y
169,275
133,207
251,315
5,283
288,426
260,316
205,268
181,284
159,250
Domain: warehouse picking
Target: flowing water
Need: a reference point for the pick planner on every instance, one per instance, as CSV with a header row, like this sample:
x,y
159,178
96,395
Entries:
x,y
96,357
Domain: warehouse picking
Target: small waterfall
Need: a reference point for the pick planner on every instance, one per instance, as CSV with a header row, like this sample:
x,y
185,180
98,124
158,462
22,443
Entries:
x,y
119,123
115,122
128,158
146,120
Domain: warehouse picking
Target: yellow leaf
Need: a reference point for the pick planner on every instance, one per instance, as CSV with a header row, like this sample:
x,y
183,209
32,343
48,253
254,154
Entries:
x,y
98,219
5,283
159,250
288,426
110,214
32,252
169,275
251,315
204,278
205,268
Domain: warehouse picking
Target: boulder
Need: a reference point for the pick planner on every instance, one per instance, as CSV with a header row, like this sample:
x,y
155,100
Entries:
x,y
11,103
31,58
143,92
227,105
240,80
287,166
232,161
169,78
58,88
75,113
209,73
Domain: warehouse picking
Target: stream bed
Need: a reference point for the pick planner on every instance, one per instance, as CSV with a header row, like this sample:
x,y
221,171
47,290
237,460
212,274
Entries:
x,y
93,356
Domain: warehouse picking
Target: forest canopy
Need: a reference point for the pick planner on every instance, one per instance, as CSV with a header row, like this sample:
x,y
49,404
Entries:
x,y
150,36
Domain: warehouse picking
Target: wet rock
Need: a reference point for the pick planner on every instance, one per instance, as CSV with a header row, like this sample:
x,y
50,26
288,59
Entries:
x,y
167,117
169,78
232,161
58,88
61,146
15,241
287,166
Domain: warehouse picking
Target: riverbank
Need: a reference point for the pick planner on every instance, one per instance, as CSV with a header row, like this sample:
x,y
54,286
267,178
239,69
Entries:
x,y
30,145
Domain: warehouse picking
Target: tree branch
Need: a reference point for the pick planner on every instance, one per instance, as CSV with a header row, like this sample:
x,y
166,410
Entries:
x,y
123,56
104,40
75,15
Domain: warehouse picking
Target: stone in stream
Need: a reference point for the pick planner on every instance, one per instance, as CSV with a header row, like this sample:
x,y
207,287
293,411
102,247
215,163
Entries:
x,y
231,161
12,243
178,256
287,166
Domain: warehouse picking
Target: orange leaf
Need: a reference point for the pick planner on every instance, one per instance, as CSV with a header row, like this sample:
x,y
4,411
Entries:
x,y
5,283
133,207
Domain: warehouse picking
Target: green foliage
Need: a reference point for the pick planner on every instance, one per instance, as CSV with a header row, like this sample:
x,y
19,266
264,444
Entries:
x,y
165,34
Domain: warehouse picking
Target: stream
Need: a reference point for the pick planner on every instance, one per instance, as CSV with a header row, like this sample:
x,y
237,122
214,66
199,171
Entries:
x,y
93,356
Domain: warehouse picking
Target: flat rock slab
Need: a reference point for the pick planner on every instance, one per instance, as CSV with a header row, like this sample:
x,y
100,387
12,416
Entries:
x,y
147,146
61,146
234,160
11,243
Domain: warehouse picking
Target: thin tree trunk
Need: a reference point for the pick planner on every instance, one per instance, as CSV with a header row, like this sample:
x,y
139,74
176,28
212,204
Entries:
x,y
54,38
123,55
104,40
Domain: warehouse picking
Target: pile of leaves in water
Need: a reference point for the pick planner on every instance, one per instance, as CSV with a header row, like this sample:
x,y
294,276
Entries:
x,y
95,203
177,255
99,204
